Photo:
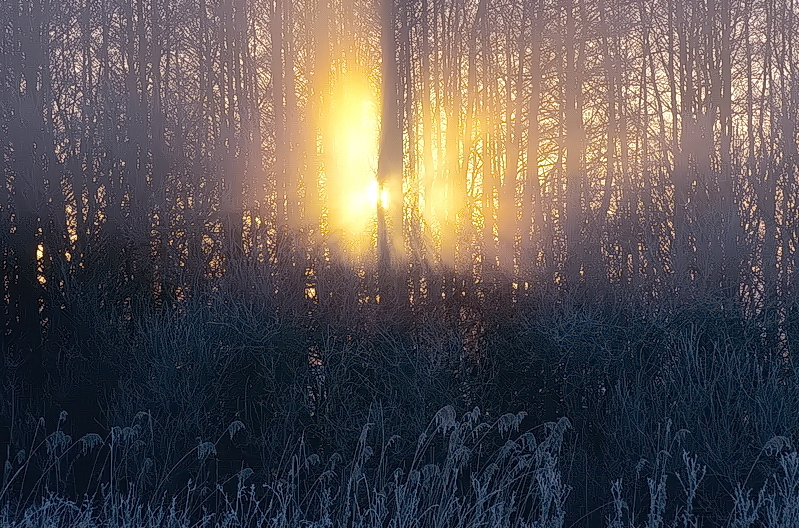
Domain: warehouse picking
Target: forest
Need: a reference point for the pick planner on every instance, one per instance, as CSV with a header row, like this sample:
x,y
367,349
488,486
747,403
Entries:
x,y
399,263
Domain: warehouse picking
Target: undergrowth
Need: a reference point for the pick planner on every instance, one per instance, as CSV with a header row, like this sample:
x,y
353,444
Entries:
x,y
456,477
236,404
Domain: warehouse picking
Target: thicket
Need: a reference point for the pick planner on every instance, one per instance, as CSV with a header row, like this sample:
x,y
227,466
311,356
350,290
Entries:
x,y
144,395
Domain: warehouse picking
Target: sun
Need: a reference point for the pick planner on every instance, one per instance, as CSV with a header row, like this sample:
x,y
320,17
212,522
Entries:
x,y
351,139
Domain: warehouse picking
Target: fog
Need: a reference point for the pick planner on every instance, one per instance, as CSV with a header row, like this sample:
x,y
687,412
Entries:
x,y
368,160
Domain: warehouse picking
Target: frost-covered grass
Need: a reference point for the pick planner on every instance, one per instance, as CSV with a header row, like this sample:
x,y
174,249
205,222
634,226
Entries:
x,y
487,475
518,484
268,403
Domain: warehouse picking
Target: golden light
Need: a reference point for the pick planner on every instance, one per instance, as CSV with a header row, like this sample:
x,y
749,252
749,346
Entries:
x,y
375,193
350,139
40,264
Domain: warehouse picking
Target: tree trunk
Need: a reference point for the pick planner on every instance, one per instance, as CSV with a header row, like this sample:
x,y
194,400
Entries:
x,y
389,165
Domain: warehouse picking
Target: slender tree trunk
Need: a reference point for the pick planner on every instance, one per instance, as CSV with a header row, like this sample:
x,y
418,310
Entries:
x,y
429,174
533,228
574,179
508,211
292,168
389,166
278,102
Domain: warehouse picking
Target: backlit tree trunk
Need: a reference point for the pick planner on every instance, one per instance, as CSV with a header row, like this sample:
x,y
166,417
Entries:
x,y
389,166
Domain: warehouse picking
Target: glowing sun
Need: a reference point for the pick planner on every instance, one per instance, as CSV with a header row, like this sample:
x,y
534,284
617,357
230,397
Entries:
x,y
352,129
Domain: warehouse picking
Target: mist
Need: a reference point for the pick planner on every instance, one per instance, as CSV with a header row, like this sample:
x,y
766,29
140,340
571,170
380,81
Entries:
x,y
557,206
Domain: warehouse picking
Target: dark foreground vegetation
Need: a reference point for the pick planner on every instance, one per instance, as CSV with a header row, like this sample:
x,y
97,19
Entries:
x,y
250,399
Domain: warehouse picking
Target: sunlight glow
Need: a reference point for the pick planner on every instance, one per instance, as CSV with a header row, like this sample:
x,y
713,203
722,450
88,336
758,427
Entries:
x,y
40,264
350,139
